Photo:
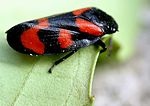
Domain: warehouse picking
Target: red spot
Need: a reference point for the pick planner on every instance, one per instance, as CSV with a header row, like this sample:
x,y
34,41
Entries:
x,y
65,38
80,11
31,41
43,23
88,27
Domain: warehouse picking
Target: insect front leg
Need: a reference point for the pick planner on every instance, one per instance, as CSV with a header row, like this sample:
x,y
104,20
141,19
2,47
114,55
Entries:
x,y
61,60
102,44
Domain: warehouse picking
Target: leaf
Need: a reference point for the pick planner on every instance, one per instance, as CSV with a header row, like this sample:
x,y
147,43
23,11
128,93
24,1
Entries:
x,y
25,81
111,53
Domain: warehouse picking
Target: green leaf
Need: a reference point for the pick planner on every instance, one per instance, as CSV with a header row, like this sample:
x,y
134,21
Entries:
x,y
111,54
25,81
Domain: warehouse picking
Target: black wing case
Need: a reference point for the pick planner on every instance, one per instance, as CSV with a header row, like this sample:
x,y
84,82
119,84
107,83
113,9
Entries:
x,y
64,25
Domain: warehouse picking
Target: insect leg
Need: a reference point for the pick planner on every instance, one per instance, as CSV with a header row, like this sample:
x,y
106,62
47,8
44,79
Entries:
x,y
110,46
61,60
102,44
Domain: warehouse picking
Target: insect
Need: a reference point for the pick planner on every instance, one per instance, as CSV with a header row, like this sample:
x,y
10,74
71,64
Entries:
x,y
66,32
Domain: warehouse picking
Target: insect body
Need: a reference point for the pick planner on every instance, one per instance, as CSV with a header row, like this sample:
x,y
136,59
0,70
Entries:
x,y
67,32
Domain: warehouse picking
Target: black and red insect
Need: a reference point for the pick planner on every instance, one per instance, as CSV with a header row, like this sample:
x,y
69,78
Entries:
x,y
67,32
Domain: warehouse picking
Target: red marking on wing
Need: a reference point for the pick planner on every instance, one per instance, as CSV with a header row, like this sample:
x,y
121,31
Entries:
x,y
88,27
80,11
65,38
43,23
30,39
